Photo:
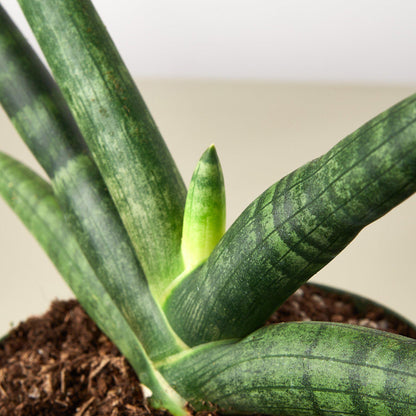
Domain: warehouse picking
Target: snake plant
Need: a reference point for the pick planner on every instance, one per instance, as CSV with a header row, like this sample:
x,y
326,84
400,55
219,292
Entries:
x,y
184,300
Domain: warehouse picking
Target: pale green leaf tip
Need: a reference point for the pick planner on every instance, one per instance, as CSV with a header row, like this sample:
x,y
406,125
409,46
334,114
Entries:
x,y
210,155
204,218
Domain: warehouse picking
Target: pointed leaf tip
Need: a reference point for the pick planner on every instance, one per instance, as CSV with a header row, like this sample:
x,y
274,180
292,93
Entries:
x,y
204,218
210,155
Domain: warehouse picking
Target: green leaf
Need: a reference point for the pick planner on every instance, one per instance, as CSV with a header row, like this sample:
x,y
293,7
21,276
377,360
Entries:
x,y
32,199
298,369
34,103
124,140
204,218
296,227
38,110
109,251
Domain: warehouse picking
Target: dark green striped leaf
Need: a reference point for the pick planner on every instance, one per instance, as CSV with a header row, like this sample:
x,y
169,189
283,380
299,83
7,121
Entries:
x,y
39,112
32,199
296,227
124,140
34,103
299,369
108,249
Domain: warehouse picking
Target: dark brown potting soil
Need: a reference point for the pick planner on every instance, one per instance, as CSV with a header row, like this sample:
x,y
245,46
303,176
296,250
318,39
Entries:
x,y
61,364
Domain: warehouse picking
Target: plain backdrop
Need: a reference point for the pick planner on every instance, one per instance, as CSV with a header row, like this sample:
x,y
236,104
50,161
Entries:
x,y
314,40
273,84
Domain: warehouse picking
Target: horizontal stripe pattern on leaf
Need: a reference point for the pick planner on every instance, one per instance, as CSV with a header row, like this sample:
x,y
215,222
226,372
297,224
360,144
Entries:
x,y
42,117
124,141
32,199
297,369
296,227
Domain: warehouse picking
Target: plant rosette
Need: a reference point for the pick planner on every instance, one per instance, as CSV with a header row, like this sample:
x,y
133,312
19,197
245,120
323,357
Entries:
x,y
184,300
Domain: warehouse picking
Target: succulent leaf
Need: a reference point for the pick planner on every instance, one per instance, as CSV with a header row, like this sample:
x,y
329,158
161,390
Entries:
x,y
32,199
39,112
34,103
204,218
296,227
298,369
115,224
126,145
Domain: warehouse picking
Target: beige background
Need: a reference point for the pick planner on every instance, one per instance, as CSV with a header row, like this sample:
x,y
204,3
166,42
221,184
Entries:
x,y
262,131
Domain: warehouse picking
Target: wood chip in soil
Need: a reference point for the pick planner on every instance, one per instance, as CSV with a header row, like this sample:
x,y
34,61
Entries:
x,y
61,364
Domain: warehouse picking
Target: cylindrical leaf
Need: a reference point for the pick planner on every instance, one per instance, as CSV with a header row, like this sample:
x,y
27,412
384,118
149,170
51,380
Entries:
x,y
204,218
296,227
33,102
36,106
32,199
299,369
127,147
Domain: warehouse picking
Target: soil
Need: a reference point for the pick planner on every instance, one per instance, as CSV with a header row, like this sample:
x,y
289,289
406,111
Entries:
x,y
62,364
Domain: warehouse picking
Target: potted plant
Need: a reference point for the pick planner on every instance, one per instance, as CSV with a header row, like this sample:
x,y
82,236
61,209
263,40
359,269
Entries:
x,y
182,299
